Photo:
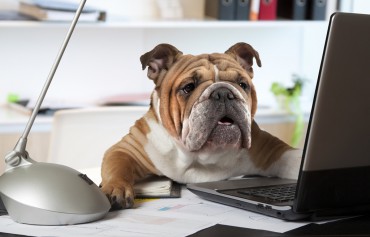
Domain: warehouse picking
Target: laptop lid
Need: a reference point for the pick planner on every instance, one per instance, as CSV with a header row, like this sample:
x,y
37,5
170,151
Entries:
x,y
335,169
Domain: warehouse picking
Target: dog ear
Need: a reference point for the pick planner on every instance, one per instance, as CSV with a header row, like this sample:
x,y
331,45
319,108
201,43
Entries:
x,y
161,57
244,54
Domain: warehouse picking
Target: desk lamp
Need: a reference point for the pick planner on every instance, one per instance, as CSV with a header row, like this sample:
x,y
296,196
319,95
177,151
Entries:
x,y
44,193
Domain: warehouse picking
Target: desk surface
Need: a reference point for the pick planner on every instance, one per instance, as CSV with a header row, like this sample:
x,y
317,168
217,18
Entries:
x,y
358,226
191,216
171,217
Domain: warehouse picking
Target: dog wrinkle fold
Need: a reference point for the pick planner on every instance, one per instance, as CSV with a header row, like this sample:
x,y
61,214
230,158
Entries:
x,y
206,113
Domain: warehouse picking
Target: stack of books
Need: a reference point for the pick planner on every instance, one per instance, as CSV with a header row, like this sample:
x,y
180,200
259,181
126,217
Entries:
x,y
58,10
269,9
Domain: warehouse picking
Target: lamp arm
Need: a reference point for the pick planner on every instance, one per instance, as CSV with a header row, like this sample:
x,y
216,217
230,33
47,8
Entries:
x,y
19,155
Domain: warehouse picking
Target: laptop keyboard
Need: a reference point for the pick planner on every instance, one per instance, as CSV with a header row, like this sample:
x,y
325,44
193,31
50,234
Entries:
x,y
281,193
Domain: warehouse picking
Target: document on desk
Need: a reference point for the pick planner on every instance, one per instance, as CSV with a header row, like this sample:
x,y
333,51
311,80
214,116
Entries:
x,y
158,217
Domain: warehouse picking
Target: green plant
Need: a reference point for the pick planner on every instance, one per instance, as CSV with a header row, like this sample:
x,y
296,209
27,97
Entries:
x,y
289,100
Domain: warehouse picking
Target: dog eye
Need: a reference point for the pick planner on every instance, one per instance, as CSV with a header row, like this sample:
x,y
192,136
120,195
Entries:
x,y
188,88
243,85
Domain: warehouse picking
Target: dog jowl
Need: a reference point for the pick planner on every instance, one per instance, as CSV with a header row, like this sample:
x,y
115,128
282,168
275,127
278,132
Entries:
x,y
199,127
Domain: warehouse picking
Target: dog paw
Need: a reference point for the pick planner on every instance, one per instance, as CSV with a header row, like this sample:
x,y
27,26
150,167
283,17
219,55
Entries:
x,y
120,195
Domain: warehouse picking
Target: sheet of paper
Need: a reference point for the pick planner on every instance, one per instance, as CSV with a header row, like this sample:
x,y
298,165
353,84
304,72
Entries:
x,y
121,223
158,217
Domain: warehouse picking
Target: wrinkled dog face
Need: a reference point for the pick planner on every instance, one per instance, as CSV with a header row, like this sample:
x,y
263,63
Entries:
x,y
213,93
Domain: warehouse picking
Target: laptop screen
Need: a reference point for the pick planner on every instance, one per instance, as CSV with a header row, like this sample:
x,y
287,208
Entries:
x,y
336,156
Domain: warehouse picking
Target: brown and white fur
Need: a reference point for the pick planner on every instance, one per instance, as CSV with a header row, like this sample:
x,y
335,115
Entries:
x,y
200,125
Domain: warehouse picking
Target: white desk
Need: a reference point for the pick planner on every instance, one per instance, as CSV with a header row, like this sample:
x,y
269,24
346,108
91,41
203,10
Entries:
x,y
172,217
12,121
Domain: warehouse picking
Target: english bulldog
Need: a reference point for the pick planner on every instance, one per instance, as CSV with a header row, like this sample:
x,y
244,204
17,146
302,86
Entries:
x,y
199,127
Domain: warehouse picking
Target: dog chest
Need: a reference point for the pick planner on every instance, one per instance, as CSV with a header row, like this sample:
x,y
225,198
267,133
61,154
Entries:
x,y
190,167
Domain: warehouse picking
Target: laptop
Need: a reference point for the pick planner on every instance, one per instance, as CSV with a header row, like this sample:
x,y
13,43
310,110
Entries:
x,y
334,177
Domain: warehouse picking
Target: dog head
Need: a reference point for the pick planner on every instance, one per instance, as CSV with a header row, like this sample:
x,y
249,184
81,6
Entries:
x,y
208,101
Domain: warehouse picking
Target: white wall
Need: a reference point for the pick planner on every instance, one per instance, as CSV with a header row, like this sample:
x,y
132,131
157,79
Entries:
x,y
97,62
8,4
360,6
103,61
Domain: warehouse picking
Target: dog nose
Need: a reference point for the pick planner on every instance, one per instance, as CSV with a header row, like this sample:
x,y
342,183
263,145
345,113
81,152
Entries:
x,y
222,93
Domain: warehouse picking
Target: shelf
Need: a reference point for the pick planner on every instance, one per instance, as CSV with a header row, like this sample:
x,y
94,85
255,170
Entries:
x,y
209,24
12,121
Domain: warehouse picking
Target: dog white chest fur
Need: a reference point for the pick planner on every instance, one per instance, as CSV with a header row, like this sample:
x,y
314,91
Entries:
x,y
187,167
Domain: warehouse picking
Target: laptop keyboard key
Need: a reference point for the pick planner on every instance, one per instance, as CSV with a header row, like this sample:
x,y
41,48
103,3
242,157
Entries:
x,y
283,193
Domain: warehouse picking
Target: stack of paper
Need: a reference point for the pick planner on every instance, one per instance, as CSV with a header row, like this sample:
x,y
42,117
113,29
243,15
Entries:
x,y
157,186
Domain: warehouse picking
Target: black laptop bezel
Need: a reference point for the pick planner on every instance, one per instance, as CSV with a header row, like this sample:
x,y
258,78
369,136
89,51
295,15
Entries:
x,y
312,195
